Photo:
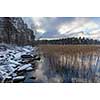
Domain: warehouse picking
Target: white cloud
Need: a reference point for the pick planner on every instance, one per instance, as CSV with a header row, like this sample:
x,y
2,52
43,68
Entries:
x,y
75,25
40,31
91,25
63,29
78,27
87,26
97,31
95,34
37,21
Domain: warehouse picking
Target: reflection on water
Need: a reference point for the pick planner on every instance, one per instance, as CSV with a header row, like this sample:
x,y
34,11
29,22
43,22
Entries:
x,y
83,67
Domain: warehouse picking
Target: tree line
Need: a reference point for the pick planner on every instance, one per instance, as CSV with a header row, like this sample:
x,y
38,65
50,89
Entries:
x,y
72,40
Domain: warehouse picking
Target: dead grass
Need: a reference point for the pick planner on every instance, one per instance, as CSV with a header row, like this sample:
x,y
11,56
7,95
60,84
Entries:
x,y
69,49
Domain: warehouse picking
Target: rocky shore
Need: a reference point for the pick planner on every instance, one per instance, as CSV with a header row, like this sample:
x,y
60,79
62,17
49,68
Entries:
x,y
15,61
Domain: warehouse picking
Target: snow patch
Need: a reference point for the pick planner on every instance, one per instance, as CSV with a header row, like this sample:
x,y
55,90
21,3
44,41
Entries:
x,y
24,67
10,60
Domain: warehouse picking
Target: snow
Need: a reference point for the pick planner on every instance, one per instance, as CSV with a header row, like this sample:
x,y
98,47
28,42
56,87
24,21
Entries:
x,y
9,77
18,55
14,62
26,50
12,65
10,60
14,74
18,78
29,68
24,67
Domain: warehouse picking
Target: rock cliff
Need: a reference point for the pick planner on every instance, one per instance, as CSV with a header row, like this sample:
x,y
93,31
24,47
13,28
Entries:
x,y
13,30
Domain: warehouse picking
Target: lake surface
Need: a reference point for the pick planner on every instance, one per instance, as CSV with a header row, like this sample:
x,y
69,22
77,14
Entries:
x,y
69,67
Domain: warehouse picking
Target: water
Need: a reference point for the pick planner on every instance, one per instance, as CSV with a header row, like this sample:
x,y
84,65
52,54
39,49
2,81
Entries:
x,y
69,68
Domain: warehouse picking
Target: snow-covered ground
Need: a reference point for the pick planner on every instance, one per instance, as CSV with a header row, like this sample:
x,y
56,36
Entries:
x,y
16,59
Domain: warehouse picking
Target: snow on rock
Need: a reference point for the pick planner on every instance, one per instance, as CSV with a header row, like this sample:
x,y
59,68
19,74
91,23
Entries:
x,y
24,67
17,55
14,62
14,74
12,65
29,69
18,78
9,77
11,58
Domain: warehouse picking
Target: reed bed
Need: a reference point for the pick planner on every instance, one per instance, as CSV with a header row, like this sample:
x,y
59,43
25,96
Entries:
x,y
74,63
69,49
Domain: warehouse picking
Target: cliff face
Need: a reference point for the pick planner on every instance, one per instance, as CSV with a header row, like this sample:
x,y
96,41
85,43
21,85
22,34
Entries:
x,y
13,30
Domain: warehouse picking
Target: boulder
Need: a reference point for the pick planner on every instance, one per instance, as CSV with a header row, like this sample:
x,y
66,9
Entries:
x,y
15,61
24,67
37,58
1,56
32,77
18,79
26,56
29,69
8,78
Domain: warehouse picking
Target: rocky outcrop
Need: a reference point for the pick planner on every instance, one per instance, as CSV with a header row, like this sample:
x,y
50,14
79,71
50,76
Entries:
x,y
18,55
13,30
15,61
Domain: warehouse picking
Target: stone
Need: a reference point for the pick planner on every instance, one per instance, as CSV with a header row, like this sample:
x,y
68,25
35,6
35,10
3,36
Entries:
x,y
1,56
18,79
29,69
37,58
26,56
13,65
32,77
8,78
24,67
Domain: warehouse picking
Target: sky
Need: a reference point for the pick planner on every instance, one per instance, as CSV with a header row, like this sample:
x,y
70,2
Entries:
x,y
63,27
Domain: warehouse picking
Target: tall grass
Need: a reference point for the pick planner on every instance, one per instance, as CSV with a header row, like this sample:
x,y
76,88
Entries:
x,y
69,49
73,61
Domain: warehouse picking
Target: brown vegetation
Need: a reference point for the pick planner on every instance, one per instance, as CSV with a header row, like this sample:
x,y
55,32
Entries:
x,y
74,63
69,49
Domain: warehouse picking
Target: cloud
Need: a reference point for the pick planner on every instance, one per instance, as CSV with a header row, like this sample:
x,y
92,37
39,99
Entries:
x,y
50,24
95,34
40,31
97,31
81,27
57,27
89,26
75,25
37,21
79,24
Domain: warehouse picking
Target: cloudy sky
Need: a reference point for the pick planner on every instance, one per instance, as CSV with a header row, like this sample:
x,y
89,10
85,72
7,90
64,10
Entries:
x,y
61,27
